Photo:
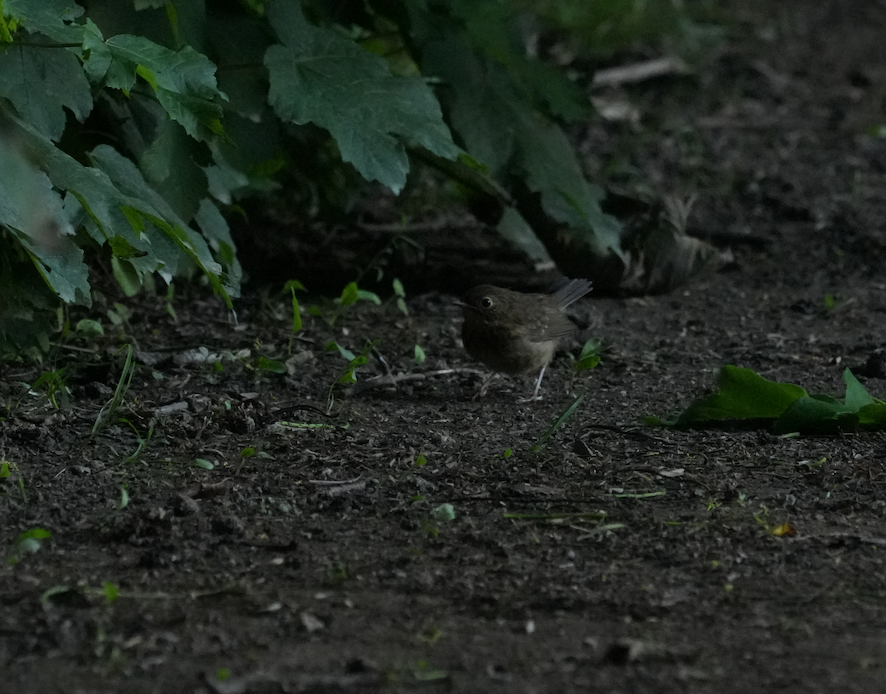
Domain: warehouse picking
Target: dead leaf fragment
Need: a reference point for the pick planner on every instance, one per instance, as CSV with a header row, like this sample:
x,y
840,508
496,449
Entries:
x,y
784,530
311,623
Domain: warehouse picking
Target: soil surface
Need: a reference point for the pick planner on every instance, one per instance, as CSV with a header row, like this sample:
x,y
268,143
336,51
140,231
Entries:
x,y
320,553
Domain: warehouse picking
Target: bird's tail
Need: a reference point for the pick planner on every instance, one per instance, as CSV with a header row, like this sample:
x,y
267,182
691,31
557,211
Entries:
x,y
571,292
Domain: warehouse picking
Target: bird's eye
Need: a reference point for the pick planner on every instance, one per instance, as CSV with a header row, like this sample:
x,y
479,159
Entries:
x,y
486,302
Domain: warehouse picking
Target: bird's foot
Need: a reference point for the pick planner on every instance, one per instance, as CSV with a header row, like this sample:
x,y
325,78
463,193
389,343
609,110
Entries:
x,y
531,398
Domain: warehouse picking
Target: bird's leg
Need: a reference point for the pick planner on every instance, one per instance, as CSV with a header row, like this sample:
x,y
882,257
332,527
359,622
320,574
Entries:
x,y
541,375
537,386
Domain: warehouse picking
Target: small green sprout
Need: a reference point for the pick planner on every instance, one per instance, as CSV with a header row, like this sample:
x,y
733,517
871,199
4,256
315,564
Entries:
x,y
348,373
119,316
110,408
559,422
89,328
430,635
7,468
419,356
590,356
270,365
26,543
350,295
443,513
292,286
425,673
400,293
141,442
170,309
54,384
111,591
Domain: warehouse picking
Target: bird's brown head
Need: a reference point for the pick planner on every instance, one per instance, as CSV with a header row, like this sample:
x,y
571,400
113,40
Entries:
x,y
484,299
497,308
493,313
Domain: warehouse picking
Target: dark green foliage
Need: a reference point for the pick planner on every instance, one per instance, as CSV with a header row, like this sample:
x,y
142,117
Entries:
x,y
128,128
319,77
599,28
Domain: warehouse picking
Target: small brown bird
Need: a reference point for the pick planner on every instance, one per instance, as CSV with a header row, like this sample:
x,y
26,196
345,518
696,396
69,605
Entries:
x,y
514,333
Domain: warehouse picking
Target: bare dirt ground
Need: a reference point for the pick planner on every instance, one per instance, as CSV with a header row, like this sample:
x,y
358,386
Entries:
x,y
319,557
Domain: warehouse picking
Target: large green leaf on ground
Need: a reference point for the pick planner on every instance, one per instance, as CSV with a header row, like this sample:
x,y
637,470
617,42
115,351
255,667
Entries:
x,y
741,394
816,414
857,397
824,414
744,395
319,77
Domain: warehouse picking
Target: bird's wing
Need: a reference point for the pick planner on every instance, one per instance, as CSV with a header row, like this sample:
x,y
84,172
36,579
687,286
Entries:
x,y
558,326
